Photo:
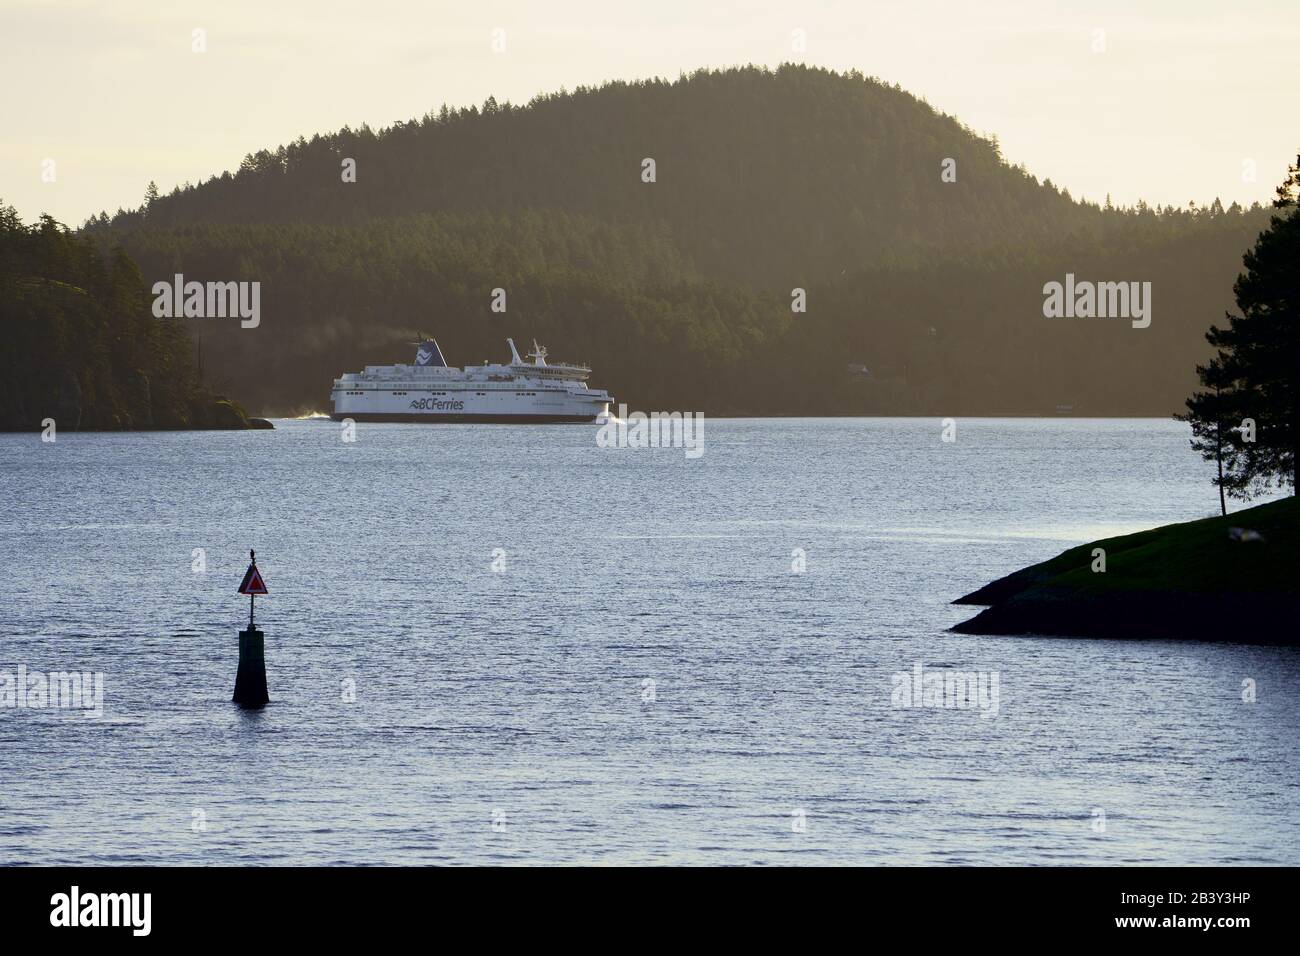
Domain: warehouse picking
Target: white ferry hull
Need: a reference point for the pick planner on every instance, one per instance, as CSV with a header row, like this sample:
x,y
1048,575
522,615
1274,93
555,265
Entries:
x,y
441,419
431,392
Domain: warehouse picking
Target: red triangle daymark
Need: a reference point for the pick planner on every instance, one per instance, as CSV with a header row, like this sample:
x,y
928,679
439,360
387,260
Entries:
x,y
253,583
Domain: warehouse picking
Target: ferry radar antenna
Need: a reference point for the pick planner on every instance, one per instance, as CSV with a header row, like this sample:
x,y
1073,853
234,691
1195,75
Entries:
x,y
538,354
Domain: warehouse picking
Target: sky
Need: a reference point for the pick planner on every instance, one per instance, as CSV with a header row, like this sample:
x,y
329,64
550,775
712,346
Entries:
x,y
1168,100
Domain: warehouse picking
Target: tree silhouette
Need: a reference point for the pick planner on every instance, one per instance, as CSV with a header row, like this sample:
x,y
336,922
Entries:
x,y
81,343
1249,419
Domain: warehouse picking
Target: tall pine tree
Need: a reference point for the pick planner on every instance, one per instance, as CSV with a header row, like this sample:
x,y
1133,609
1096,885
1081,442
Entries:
x,y
1248,419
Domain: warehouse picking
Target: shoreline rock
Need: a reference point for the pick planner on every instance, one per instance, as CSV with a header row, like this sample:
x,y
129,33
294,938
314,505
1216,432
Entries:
x,y
1198,580
221,416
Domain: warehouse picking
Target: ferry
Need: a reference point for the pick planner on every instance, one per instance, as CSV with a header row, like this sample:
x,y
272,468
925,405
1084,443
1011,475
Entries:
x,y
534,392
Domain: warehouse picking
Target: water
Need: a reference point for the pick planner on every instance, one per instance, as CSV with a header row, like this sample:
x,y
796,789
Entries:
x,y
503,716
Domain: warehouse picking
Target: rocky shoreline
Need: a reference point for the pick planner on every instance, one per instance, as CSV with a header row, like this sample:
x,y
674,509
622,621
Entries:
x,y
1232,579
217,415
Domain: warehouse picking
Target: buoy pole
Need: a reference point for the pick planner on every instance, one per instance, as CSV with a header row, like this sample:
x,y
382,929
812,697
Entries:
x,y
250,679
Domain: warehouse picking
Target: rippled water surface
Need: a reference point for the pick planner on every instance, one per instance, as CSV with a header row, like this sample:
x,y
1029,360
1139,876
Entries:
x,y
647,680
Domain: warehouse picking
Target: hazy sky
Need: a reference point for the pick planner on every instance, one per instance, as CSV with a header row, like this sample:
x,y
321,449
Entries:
x,y
1184,93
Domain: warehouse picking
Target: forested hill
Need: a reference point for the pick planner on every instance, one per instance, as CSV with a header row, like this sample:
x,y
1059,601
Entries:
x,y
81,346
923,295
763,176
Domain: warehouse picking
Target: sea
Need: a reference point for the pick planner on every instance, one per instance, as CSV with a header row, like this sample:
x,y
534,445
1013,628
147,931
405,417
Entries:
x,y
511,645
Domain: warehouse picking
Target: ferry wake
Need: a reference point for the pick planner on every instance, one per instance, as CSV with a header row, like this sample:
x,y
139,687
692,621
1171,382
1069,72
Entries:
x,y
430,391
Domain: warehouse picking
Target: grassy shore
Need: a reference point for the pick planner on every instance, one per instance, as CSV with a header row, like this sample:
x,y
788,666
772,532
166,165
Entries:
x,y
1200,580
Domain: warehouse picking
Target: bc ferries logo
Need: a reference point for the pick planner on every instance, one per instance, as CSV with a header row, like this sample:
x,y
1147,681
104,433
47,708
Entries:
x,y
428,354
434,405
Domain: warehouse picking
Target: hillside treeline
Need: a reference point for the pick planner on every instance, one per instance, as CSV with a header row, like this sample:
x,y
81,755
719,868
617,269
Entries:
x,y
923,296
81,345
